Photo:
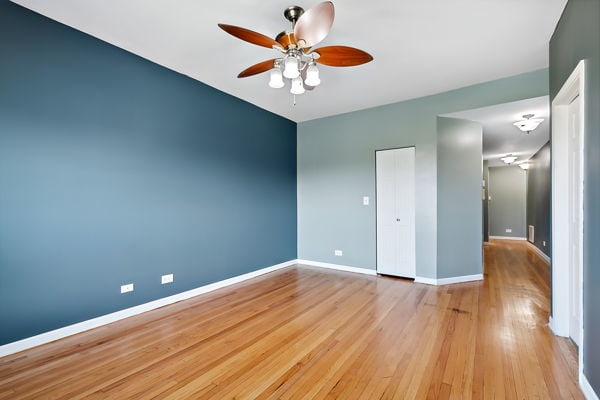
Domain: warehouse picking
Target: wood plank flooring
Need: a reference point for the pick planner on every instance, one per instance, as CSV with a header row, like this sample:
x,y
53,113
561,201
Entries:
x,y
309,333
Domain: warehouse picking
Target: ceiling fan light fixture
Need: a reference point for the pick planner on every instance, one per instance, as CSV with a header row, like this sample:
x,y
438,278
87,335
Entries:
x,y
312,75
276,79
297,58
297,86
290,67
528,123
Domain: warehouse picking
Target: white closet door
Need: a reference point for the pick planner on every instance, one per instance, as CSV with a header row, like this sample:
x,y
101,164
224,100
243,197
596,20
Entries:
x,y
396,212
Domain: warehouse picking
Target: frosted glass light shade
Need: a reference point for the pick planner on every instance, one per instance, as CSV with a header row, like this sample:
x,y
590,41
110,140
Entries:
x,y
527,125
524,166
312,75
509,159
290,69
297,86
276,80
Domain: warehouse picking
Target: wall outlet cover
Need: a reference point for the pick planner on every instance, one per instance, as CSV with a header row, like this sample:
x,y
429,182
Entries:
x,y
127,288
365,200
166,279
508,230
338,253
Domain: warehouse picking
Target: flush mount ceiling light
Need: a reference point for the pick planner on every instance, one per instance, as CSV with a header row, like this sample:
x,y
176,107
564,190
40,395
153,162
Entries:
x,y
509,159
528,123
295,53
524,166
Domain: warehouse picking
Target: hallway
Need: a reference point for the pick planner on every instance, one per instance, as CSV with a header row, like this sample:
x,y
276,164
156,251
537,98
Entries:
x,y
310,333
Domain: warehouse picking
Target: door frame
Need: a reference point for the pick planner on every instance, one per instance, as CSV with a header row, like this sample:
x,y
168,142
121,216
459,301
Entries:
x,y
561,290
376,203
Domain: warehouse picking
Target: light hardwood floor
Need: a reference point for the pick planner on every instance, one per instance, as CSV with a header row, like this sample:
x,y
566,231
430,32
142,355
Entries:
x,y
308,333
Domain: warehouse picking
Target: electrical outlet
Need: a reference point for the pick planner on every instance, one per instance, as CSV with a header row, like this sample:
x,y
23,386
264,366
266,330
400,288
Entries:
x,y
508,230
339,253
127,288
166,279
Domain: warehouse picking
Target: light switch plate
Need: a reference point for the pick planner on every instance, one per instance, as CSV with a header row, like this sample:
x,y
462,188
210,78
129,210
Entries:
x,y
365,200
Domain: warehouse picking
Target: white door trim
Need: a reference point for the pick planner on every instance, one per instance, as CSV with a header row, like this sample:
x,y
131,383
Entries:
x,y
559,322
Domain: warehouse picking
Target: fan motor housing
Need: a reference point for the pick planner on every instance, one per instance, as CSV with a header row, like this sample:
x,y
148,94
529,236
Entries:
x,y
292,13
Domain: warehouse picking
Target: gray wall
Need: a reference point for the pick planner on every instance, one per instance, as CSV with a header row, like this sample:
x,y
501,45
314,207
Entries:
x,y
116,170
508,190
577,37
539,191
486,188
459,175
336,167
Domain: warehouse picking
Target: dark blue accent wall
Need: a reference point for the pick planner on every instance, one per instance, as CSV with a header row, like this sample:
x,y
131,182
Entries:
x,y
539,188
577,37
116,170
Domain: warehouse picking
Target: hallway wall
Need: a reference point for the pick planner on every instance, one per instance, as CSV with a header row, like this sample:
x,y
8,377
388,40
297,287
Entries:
x,y
576,37
508,204
539,186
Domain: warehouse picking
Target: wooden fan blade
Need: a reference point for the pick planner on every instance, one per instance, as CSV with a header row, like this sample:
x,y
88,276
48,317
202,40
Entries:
x,y
314,24
250,36
257,68
342,56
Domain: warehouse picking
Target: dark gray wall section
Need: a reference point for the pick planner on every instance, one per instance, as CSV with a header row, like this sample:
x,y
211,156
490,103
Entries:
x,y
577,37
116,170
539,181
508,190
459,200
486,188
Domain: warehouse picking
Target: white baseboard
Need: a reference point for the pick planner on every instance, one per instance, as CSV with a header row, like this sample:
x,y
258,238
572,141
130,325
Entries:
x,y
338,267
556,330
426,281
449,281
539,252
507,238
586,388
47,337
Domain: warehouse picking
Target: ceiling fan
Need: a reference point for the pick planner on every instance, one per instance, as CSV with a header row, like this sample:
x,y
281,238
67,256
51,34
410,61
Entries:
x,y
297,56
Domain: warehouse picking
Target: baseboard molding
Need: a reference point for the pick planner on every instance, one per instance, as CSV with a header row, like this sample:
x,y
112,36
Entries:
x,y
539,252
338,267
426,281
557,331
586,388
51,336
507,238
449,281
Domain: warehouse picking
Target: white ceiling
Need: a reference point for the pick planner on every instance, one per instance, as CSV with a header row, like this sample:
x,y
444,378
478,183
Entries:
x,y
421,47
501,137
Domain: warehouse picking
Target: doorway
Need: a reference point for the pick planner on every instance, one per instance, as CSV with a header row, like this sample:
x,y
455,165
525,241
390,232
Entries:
x,y
568,116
